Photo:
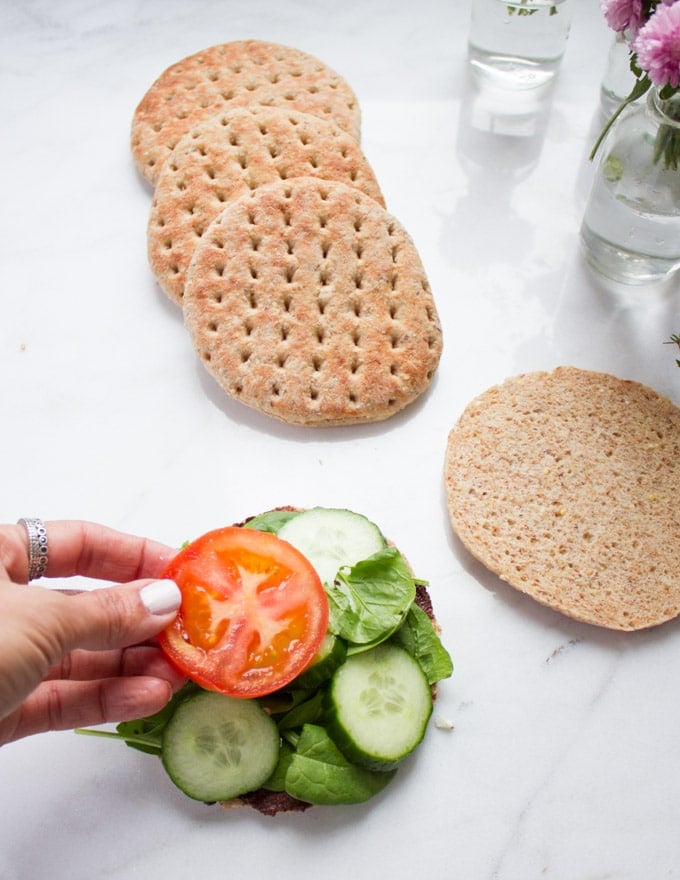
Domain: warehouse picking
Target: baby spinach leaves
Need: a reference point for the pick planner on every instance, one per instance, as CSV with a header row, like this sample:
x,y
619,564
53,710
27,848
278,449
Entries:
x,y
318,772
369,600
271,521
418,636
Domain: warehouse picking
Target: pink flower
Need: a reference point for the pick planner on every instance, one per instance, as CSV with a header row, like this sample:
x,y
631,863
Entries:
x,y
657,46
623,15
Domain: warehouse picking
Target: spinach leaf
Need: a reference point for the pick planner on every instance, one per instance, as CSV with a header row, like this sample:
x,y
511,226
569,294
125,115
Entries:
x,y
320,774
369,600
418,636
271,521
303,713
277,781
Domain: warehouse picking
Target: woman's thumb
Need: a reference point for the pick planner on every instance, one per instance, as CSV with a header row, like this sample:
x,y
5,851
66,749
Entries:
x,y
115,617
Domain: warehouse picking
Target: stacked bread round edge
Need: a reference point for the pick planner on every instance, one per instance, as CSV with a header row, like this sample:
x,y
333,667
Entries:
x,y
303,296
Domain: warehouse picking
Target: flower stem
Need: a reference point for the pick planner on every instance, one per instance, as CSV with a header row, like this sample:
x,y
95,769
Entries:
x,y
667,145
639,89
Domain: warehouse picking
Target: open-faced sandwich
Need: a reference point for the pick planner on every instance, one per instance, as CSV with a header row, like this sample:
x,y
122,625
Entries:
x,y
312,657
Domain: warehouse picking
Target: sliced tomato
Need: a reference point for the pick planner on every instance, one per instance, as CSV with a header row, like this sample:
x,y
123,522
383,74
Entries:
x,y
253,612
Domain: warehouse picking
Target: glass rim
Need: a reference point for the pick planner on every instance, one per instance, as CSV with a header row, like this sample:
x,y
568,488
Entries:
x,y
658,104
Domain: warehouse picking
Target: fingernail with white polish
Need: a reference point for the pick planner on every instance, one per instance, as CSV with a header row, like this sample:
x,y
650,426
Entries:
x,y
161,597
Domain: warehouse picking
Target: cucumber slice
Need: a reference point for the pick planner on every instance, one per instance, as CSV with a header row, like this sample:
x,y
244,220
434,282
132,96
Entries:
x,y
331,537
378,706
216,748
328,658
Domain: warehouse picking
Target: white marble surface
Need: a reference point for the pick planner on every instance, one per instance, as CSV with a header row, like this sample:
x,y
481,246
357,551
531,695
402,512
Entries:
x,y
564,758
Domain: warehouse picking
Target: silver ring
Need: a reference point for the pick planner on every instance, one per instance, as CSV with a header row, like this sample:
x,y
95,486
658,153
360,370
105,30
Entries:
x,y
37,546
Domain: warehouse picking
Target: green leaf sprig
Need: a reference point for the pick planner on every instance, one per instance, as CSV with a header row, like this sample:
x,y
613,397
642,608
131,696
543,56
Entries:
x,y
674,340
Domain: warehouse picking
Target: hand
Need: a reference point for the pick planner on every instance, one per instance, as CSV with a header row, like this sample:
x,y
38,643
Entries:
x,y
74,660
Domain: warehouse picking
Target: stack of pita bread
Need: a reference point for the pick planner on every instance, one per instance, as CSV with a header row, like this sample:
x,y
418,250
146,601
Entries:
x,y
303,296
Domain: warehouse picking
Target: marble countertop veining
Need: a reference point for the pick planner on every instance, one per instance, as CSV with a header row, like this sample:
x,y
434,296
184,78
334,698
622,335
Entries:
x,y
562,758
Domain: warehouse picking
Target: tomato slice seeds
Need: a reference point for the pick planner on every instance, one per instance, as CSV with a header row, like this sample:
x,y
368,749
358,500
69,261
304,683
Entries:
x,y
253,615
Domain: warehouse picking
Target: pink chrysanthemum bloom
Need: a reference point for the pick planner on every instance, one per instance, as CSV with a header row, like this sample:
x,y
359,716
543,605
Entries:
x,y
657,46
623,15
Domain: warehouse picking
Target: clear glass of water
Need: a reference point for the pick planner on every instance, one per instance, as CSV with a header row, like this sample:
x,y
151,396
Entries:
x,y
518,44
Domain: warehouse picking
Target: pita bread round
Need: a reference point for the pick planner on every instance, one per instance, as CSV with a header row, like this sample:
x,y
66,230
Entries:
x,y
308,301
566,485
230,75
227,155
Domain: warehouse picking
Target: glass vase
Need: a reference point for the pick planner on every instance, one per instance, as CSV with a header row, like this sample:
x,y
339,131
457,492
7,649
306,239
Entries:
x,y
518,44
631,225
